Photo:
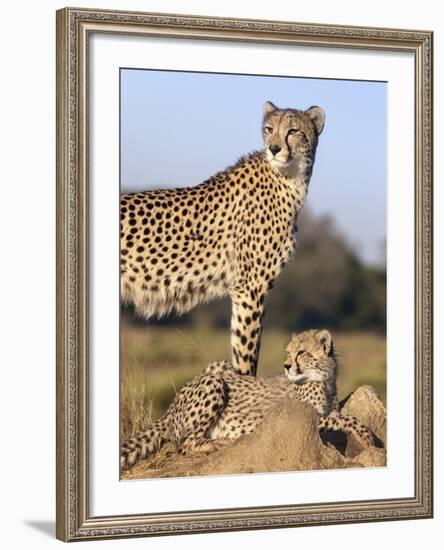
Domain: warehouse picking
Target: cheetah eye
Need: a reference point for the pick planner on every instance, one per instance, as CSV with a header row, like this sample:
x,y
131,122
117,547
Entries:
x,y
268,129
294,131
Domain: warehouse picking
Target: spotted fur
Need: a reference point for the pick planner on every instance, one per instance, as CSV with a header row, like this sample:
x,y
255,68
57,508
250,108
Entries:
x,y
221,405
230,235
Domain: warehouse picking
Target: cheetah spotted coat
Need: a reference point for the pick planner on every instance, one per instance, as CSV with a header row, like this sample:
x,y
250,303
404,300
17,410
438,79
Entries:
x,y
231,235
221,405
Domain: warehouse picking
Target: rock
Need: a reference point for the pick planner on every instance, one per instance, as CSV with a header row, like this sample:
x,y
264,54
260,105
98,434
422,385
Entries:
x,y
371,457
366,406
287,440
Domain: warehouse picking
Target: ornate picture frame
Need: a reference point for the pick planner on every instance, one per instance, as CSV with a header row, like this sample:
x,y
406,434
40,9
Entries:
x,y
74,30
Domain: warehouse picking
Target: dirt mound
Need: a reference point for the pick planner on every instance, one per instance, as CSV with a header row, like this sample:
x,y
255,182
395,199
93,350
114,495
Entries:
x,y
288,440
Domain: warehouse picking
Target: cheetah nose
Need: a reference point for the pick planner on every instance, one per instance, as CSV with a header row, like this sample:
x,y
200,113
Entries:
x,y
275,149
287,366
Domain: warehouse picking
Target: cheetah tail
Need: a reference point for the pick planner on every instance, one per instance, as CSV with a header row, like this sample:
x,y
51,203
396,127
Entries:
x,y
141,445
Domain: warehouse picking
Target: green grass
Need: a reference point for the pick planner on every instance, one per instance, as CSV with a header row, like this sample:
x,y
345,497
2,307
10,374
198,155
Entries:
x,y
157,360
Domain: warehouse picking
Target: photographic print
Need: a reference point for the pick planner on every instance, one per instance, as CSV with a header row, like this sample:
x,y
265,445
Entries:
x,y
244,260
253,273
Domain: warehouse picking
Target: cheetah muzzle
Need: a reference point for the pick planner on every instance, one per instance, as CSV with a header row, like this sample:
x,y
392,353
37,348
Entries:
x,y
221,405
231,235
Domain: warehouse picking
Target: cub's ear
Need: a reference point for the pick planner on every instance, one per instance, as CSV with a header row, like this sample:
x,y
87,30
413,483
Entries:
x,y
317,115
269,108
325,340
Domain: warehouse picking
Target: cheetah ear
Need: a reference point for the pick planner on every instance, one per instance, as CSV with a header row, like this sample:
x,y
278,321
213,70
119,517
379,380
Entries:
x,y
317,116
269,108
325,340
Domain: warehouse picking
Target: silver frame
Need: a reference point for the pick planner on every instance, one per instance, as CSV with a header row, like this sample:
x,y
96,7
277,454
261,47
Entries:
x,y
74,26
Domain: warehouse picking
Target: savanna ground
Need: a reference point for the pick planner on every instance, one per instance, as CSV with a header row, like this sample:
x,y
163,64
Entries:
x,y
157,360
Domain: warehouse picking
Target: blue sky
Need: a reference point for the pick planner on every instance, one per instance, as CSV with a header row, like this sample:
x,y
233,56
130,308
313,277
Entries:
x,y
179,128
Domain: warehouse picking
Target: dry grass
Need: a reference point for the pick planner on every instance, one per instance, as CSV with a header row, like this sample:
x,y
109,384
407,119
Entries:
x,y
156,361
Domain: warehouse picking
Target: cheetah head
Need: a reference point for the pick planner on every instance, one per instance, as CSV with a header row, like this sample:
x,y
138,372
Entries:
x,y
290,137
310,357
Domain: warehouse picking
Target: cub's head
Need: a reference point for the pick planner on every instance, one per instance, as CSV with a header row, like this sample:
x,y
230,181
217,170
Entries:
x,y
290,137
311,357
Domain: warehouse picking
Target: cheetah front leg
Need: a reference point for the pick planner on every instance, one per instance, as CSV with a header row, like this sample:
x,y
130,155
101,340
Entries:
x,y
350,425
246,329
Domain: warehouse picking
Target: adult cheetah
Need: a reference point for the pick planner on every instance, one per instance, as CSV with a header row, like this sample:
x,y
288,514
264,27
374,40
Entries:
x,y
230,235
221,405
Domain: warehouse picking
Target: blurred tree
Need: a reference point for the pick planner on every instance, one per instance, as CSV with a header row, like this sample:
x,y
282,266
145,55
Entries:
x,y
325,284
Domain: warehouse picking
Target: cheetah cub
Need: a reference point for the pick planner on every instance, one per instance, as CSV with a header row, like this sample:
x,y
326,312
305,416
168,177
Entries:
x,y
221,405
231,235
